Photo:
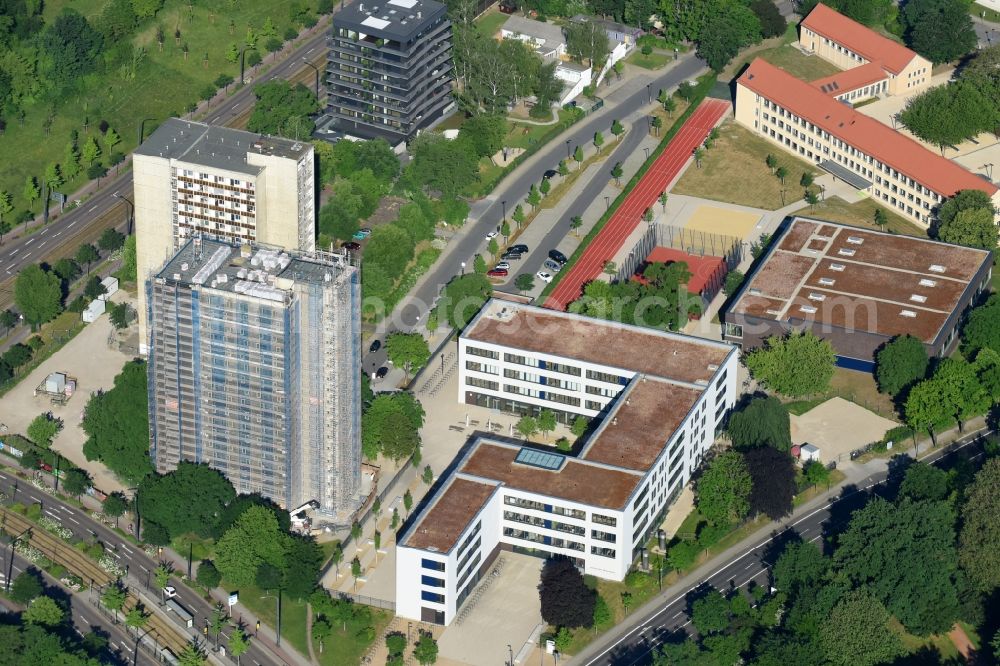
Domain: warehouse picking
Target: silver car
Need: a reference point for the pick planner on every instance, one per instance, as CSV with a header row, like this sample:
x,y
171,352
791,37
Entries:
x,y
552,266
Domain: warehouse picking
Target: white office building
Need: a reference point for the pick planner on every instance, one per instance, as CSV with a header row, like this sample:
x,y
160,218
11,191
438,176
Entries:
x,y
660,398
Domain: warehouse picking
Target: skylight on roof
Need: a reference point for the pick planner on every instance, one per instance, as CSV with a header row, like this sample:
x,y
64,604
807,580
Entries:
x,y
808,309
408,4
925,282
837,267
917,298
377,23
907,313
855,240
846,252
540,459
827,282
817,297
936,268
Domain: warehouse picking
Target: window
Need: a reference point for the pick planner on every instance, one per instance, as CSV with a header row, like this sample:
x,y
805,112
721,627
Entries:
x,y
855,240
432,596
482,383
431,581
433,565
486,353
606,377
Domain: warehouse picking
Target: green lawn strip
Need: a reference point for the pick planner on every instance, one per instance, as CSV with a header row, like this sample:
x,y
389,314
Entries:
x,y
860,213
800,407
347,648
985,13
655,60
489,24
165,84
704,85
806,67
293,614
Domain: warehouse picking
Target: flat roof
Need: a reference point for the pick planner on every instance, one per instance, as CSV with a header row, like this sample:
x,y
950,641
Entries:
x,y
443,523
853,278
851,79
549,33
648,413
267,273
216,147
864,41
398,20
866,134
578,480
629,348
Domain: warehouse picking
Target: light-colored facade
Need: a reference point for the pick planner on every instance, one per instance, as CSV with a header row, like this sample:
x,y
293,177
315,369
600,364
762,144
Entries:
x,y
546,39
254,369
891,167
848,44
195,179
598,506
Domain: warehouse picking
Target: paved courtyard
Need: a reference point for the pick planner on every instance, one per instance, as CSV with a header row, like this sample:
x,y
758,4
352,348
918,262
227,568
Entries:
x,y
823,426
90,359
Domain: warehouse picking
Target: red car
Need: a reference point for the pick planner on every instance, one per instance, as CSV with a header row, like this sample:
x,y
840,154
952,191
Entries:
x,y
497,272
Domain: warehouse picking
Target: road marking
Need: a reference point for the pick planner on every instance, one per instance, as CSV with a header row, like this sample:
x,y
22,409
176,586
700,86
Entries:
x,y
11,266
42,244
92,208
72,223
29,241
72,520
126,549
310,50
15,252
235,106
56,234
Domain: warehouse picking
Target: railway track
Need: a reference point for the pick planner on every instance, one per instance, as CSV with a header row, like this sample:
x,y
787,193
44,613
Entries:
x,y
163,632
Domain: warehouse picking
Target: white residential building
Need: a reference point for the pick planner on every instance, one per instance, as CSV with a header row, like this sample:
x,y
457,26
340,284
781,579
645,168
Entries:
x,y
661,398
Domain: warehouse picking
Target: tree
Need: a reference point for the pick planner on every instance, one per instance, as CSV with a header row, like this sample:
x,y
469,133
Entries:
x,y
94,289
710,614
781,173
254,540
117,426
439,164
268,577
66,269
923,481
587,40
734,280
303,560
900,363
698,154
518,215
462,299
120,315
407,502
356,570
31,193
982,328
524,282
772,23
283,109
807,179
479,265
795,365
239,642
773,483
725,33
115,505
38,295
616,173
527,426
545,187
111,240
979,539
188,499
578,155
857,632
395,644
136,618
428,475
43,429
761,422
617,129
575,223
86,254
128,270
939,30
546,422
44,611
505,230
90,150
191,655
598,141
566,600
321,631
208,575
772,162
800,566
972,228
811,198
723,491
927,406
657,123
390,426
534,197
426,649
76,481
6,207
493,247
946,115
408,350
114,597
26,587
53,176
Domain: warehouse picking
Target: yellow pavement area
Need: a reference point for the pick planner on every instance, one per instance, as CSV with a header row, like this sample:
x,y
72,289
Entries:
x,y
724,221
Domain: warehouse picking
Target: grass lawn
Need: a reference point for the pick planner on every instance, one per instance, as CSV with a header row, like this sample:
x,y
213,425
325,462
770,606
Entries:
x,y
525,135
654,60
293,614
201,549
735,171
861,214
489,23
798,64
985,13
860,388
346,648
746,56
939,643
165,83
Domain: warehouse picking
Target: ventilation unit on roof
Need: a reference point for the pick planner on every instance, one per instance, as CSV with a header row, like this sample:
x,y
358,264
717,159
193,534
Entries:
x,y
808,309
855,240
928,283
846,252
827,282
817,297
917,298
772,311
936,268
907,313
754,291
837,267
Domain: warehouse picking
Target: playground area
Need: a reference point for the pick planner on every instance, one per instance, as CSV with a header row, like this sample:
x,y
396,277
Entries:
x,y
721,221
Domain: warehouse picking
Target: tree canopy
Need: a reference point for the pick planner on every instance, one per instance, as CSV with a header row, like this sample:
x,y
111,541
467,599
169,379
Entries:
x,y
659,300
191,498
723,490
726,32
773,482
763,421
462,299
857,632
566,599
254,539
283,109
390,425
587,40
117,425
407,350
38,295
795,365
900,363
979,539
939,30
982,328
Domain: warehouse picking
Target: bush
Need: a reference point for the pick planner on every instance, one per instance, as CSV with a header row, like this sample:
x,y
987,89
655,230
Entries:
x,y
208,575
290,34
96,170
647,49
709,534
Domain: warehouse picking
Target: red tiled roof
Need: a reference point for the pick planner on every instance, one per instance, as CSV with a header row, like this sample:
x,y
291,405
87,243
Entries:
x,y
850,34
864,133
851,79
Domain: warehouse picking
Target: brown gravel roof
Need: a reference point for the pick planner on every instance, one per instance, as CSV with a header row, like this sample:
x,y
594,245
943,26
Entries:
x,y
877,286
647,416
632,348
440,526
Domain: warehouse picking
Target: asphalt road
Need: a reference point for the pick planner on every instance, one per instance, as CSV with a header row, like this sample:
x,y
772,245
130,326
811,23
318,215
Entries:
x,y
670,622
51,242
488,213
85,616
137,564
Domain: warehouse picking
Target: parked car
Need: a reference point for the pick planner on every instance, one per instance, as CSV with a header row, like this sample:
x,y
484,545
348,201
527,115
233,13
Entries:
x,y
358,236
365,231
550,173
497,272
491,235
381,372
375,346
520,248
508,6
351,245
502,265
510,255
543,276
556,255
552,266
170,591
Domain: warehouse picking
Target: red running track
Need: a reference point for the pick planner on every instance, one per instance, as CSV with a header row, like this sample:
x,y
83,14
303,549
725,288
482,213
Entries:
x,y
625,219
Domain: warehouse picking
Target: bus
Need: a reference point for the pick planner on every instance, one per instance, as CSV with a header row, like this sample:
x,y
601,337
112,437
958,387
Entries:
x,y
185,616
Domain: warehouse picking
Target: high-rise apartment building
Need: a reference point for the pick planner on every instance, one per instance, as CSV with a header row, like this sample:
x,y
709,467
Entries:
x,y
254,368
389,72
220,183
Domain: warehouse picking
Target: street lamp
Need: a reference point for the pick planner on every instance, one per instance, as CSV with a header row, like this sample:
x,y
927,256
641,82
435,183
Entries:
x,y
131,210
567,149
463,268
607,202
510,651
504,204
649,94
989,170
316,69
646,148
